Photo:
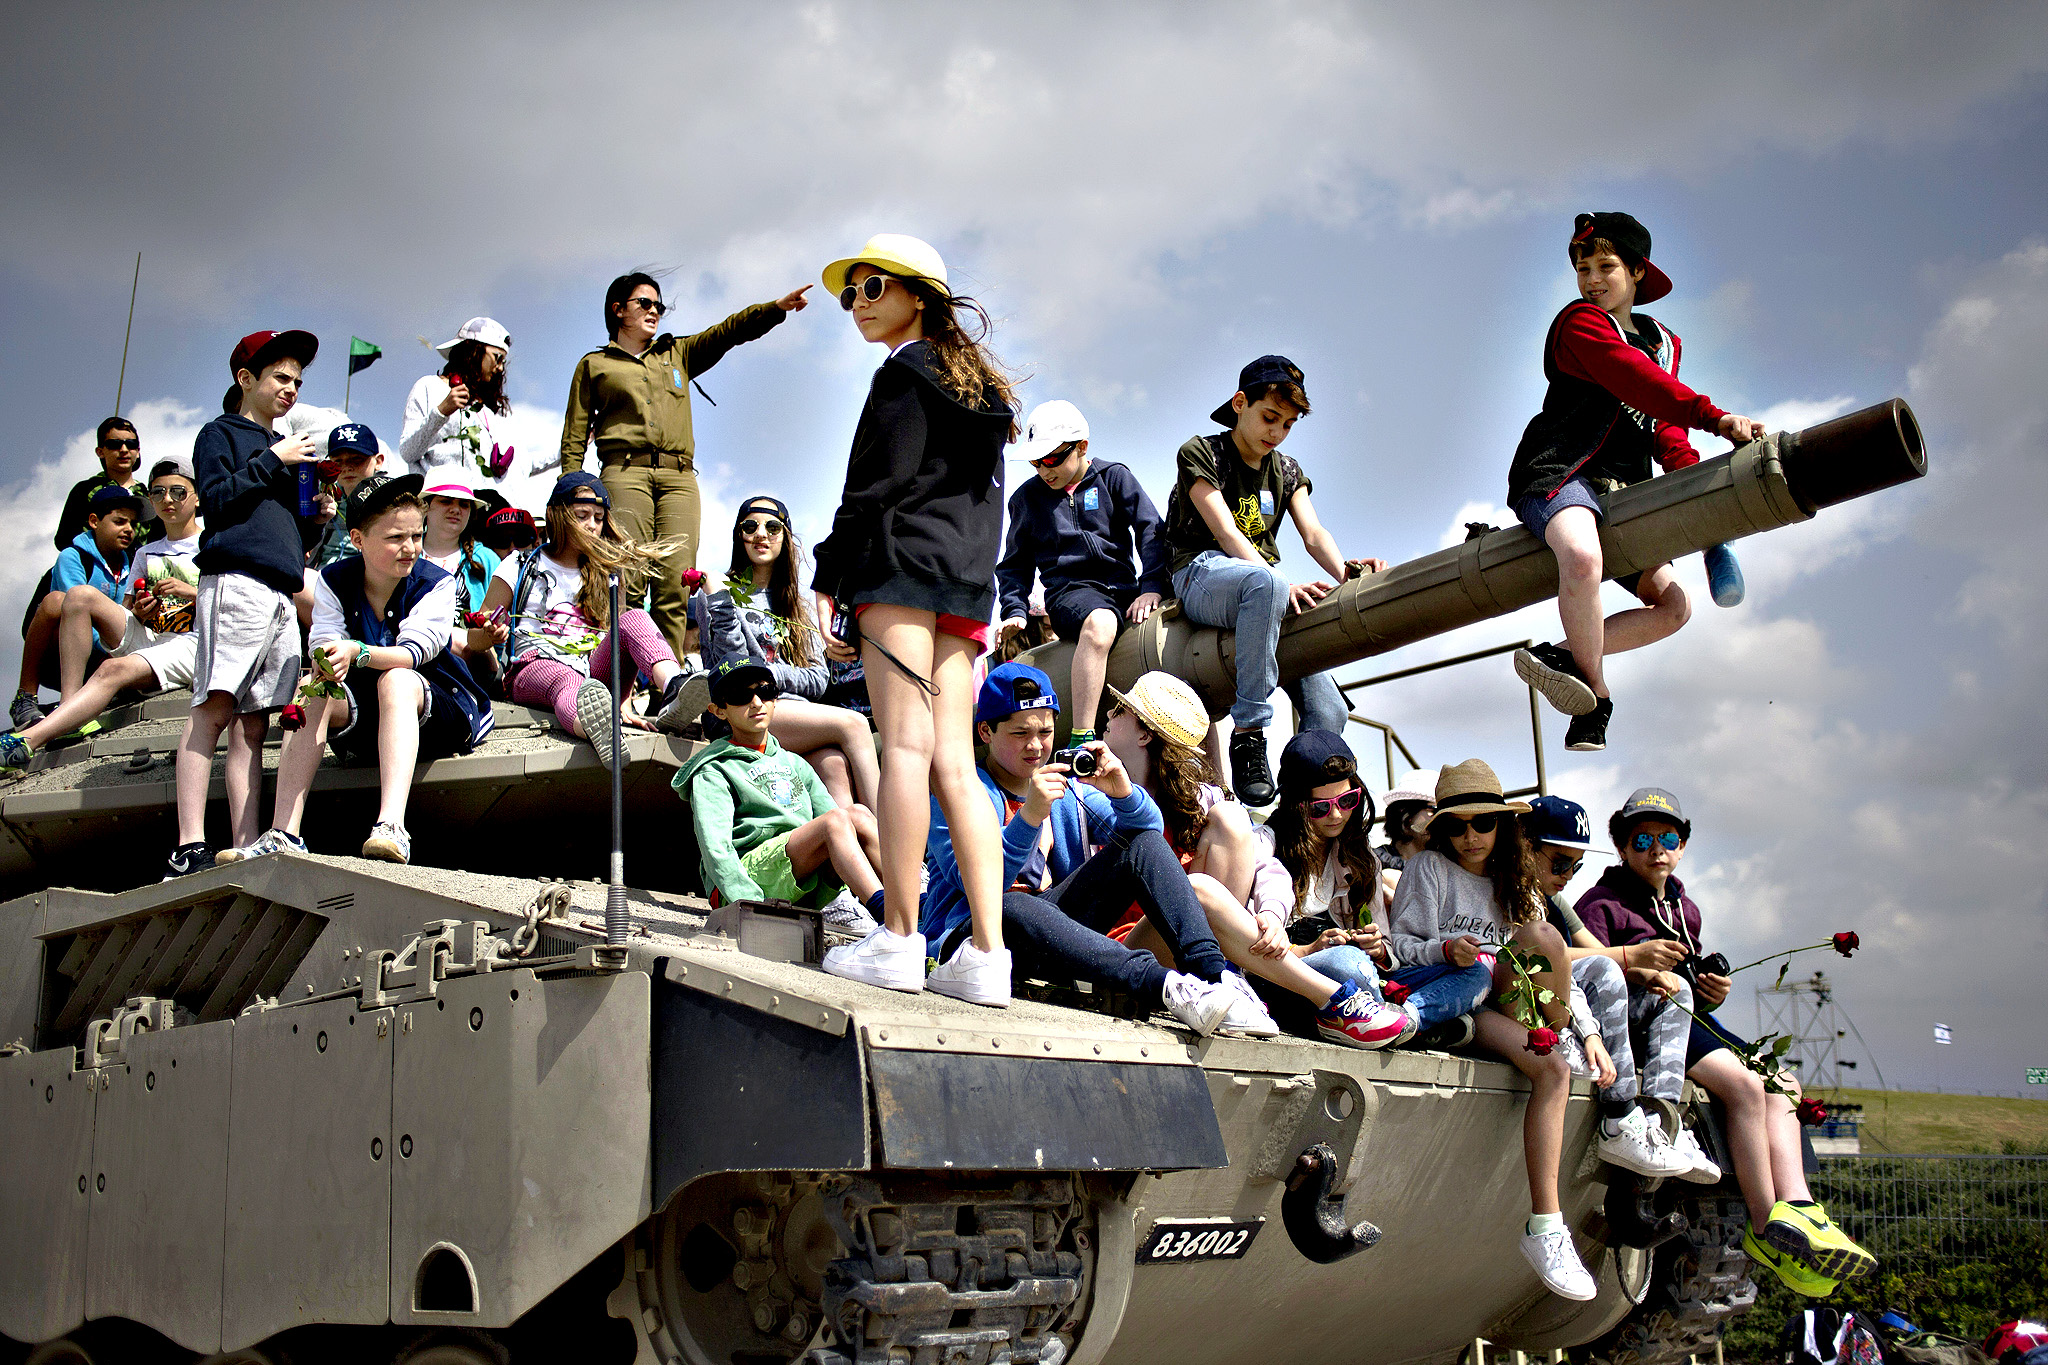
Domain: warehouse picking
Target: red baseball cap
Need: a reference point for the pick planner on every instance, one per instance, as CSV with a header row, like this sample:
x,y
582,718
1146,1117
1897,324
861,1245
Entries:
x,y
258,349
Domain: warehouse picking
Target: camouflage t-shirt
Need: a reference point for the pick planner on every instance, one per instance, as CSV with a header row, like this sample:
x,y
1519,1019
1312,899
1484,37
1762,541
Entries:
x,y
1257,498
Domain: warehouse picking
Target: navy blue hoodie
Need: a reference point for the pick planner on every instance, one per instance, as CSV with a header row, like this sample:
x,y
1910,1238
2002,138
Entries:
x,y
1083,534
252,505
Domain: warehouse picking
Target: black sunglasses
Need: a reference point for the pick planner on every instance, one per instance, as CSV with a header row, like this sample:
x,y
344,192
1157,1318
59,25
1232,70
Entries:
x,y
1453,826
127,443
752,527
654,306
760,691
870,289
1322,806
1563,866
1057,457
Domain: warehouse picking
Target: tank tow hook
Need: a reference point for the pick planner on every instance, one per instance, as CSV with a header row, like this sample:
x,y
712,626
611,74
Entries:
x,y
1314,1216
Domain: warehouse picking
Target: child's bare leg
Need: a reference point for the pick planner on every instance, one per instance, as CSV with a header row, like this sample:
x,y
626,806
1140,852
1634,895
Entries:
x,y
1573,535
977,837
1788,1161
1749,1137
1227,851
195,763
86,610
299,761
1538,938
903,716
42,632
1235,928
244,776
1091,665
832,837
1550,1088
1665,608
91,699
803,726
401,698
829,763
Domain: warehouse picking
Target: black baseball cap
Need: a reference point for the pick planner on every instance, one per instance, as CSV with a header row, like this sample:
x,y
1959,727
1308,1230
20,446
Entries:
x,y
1653,803
258,349
1304,763
735,679
576,481
110,496
1267,369
378,492
1633,239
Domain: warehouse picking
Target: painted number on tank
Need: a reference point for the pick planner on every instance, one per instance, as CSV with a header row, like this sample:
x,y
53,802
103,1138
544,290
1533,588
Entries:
x,y
1197,1239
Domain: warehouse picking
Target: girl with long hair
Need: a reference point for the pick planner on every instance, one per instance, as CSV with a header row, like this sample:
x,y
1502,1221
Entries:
x,y
631,399
1156,731
760,613
457,426
912,559
452,508
1462,901
557,597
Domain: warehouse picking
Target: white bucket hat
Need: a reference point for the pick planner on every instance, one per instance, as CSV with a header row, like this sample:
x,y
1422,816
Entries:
x,y
1418,785
1049,426
485,330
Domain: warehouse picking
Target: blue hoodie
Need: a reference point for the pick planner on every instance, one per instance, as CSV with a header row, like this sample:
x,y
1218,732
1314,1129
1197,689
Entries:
x,y
1081,818
252,505
81,563
1083,534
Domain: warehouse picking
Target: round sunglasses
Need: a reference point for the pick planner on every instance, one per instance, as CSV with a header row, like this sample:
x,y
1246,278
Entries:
x,y
870,289
763,526
1669,838
1322,806
1454,826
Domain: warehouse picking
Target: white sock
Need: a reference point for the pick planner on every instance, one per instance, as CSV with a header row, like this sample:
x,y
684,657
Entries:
x,y
1540,1223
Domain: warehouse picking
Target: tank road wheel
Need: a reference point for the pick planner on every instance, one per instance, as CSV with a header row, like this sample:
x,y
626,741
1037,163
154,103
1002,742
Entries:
x,y
1698,1284
63,1351
453,1348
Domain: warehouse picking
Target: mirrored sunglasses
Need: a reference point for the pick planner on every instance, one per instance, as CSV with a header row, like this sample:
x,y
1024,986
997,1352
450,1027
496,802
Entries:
x,y
754,526
169,493
1057,457
1322,806
1669,838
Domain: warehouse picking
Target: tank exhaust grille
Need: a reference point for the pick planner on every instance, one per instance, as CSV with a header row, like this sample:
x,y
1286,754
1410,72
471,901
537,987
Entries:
x,y
214,957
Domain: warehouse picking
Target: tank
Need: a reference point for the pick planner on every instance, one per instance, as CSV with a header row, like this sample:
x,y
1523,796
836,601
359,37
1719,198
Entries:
x,y
317,1109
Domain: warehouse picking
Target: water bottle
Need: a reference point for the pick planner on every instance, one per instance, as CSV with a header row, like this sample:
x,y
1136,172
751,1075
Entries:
x,y
309,488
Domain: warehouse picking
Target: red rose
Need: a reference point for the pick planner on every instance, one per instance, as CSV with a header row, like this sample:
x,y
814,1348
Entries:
x,y
293,717
477,620
1541,1040
1848,943
1393,992
693,579
1812,1112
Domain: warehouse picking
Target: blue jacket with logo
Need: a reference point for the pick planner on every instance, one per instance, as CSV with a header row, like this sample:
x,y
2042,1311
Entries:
x,y
1084,534
81,562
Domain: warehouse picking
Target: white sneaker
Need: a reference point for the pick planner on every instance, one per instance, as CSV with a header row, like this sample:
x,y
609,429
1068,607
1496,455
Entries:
x,y
1201,1005
847,915
594,711
974,976
268,842
1701,1168
1637,1145
1558,1265
894,961
1248,1014
388,843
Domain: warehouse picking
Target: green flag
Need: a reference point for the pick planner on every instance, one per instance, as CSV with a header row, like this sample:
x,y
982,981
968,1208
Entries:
x,y
361,354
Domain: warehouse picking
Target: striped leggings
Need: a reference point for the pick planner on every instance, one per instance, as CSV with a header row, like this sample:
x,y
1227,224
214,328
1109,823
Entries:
x,y
551,683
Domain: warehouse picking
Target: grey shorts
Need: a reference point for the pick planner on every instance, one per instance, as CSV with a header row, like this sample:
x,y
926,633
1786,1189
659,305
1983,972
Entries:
x,y
248,643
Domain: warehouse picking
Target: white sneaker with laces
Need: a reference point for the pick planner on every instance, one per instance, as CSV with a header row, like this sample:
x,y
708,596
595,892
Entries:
x,y
974,976
893,961
268,842
1701,1168
1248,1014
1636,1145
1558,1265
847,915
1201,1005
594,711
388,843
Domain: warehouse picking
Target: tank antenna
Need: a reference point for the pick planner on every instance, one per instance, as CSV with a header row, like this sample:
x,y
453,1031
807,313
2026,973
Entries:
x,y
615,893
122,382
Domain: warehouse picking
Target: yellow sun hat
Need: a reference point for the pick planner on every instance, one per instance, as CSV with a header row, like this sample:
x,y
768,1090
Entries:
x,y
1166,706
892,252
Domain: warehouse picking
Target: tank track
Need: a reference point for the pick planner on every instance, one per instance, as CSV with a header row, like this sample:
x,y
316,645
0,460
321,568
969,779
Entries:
x,y
1698,1284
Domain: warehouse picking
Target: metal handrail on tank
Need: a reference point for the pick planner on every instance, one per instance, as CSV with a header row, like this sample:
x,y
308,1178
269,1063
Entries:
x,y
1393,738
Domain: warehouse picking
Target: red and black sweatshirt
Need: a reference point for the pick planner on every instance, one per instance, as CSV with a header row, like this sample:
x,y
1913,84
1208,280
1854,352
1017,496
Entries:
x,y
1614,403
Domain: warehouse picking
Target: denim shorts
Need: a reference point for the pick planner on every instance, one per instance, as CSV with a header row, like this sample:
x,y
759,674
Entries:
x,y
1535,512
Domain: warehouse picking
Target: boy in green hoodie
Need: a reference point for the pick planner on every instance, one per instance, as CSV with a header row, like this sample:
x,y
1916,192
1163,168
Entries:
x,y
767,829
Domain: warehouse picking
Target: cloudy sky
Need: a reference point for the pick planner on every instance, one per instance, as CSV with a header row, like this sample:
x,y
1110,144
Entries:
x,y
1848,197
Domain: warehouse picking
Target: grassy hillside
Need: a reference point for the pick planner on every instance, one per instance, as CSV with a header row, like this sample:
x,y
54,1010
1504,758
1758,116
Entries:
x,y
1909,1121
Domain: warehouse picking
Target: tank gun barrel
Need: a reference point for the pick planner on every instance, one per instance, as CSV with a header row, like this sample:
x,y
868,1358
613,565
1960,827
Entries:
x,y
1779,479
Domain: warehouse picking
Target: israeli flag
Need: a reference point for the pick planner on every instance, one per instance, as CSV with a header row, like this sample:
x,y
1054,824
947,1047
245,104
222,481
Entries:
x,y
1942,1035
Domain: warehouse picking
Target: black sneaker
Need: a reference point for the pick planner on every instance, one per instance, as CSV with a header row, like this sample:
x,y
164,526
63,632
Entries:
x,y
1552,671
1458,1032
1249,773
1588,733
187,859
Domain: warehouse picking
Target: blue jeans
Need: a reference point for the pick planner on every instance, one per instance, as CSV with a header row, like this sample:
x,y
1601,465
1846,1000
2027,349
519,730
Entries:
x,y
1251,599
1435,992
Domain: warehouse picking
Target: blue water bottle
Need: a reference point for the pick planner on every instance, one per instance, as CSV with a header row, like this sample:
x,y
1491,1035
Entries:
x,y
309,488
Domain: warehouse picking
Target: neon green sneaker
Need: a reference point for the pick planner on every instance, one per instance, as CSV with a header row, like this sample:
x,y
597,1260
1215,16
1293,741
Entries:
x,y
1790,1273
1808,1234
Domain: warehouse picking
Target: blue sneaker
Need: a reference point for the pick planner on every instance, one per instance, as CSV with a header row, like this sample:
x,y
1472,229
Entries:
x,y
1724,576
14,755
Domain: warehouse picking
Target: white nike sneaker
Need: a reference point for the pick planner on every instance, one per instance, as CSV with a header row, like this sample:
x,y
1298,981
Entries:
x,y
974,976
894,961
1557,1263
1248,1014
1701,1168
1201,1005
1637,1146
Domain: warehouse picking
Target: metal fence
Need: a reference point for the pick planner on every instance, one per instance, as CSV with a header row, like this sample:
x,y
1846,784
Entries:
x,y
1938,1209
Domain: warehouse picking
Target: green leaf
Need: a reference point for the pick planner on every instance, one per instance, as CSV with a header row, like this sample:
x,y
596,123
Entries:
x,y
1781,1047
1783,967
1538,963
1545,995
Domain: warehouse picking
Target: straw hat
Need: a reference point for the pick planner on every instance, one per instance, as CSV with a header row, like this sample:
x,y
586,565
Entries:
x,y
891,252
1470,788
1166,706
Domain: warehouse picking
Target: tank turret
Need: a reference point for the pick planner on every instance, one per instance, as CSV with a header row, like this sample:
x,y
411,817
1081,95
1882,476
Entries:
x,y
1782,478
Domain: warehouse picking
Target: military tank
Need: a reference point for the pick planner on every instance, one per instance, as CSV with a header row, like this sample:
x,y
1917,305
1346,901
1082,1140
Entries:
x,y
311,1108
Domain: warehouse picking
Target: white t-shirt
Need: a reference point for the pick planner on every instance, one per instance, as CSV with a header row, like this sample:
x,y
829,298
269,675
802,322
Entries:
x,y
163,559
552,626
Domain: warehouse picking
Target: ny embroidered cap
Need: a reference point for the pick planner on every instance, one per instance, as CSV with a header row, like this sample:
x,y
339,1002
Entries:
x,y
110,496
1633,239
1653,803
734,680
1554,820
1049,426
1013,687
258,349
352,438
370,497
1267,369
486,330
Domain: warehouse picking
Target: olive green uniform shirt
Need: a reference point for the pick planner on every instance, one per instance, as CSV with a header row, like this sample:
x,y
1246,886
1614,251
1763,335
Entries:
x,y
635,404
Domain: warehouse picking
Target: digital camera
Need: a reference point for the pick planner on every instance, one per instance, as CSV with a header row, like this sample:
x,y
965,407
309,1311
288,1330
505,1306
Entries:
x,y
1081,762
